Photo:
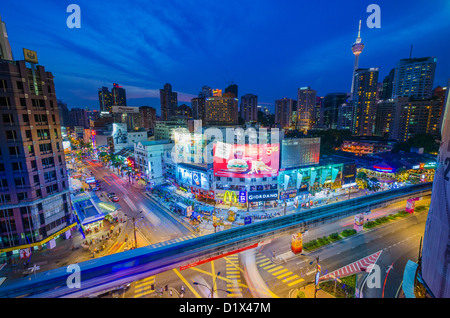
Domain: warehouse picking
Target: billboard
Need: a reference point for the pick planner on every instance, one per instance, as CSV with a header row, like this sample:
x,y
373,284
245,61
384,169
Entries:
x,y
30,56
120,136
193,178
125,109
298,152
296,243
246,161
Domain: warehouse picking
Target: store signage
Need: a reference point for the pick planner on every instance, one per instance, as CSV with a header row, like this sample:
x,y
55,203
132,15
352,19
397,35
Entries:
x,y
242,197
255,196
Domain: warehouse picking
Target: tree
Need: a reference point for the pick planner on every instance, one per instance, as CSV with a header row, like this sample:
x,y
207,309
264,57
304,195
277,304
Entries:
x,y
428,142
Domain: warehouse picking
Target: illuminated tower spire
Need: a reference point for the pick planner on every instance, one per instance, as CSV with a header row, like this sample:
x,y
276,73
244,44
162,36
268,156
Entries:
x,y
357,48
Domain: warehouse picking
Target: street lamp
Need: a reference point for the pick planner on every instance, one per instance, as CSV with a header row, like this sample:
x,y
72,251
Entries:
x,y
134,227
318,270
212,288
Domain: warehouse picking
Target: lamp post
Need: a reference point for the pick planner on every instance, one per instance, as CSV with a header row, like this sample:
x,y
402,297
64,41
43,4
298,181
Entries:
x,y
212,288
318,270
134,227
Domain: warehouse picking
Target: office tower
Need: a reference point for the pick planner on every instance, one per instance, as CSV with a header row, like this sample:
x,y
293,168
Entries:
x,y
184,111
148,117
331,104
440,93
357,49
364,101
34,187
318,112
306,104
249,107
206,92
414,77
233,88
105,99
388,85
118,95
5,48
221,110
433,266
384,118
345,116
283,112
78,117
198,108
169,102
415,116
63,113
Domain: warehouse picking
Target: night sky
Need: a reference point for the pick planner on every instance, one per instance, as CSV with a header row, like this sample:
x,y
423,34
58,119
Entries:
x,y
268,48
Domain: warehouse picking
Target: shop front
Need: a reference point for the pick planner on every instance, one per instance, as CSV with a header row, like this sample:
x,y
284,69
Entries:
x,y
260,199
230,198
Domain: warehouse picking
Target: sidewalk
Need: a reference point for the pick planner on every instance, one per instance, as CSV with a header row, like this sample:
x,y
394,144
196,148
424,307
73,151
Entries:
x,y
66,251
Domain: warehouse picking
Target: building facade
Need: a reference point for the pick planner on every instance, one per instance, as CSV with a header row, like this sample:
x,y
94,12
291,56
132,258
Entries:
x,y
306,106
249,107
169,102
34,193
414,77
283,112
364,101
221,110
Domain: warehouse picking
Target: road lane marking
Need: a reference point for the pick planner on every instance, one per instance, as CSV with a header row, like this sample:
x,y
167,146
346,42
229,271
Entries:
x,y
187,283
295,282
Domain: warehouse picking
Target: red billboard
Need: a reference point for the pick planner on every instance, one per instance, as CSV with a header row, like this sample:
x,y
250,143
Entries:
x,y
246,161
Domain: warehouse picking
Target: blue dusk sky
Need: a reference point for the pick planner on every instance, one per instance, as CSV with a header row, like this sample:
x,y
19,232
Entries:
x,y
268,48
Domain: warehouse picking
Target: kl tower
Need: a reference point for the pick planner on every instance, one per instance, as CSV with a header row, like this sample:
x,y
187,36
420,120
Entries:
x,y
357,48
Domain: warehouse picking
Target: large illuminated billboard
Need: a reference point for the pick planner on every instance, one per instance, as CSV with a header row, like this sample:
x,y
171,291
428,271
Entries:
x,y
246,161
120,136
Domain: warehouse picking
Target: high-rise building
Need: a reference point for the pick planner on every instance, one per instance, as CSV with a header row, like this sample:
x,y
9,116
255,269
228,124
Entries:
x,y
206,92
414,77
34,186
148,117
384,118
433,267
78,117
306,105
283,112
345,116
118,95
169,102
5,47
357,49
232,88
331,104
364,101
440,94
249,107
413,116
184,111
198,108
63,113
318,112
221,110
105,99
387,86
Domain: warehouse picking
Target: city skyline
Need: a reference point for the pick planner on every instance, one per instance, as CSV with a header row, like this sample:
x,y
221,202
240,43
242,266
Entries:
x,y
197,46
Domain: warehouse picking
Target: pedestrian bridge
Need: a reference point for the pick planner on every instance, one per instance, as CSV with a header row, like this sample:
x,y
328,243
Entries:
x,y
114,270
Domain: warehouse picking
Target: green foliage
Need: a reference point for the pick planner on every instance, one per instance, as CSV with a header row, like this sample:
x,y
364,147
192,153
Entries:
x,y
346,233
334,237
301,294
420,140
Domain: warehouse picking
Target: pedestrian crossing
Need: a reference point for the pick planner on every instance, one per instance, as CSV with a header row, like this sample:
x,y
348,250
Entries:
x,y
278,271
143,287
233,274
179,239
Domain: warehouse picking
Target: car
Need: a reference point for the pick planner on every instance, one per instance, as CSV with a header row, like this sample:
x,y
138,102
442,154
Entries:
x,y
110,195
115,199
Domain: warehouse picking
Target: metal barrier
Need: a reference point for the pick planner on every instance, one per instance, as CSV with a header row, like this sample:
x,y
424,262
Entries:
x,y
125,267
